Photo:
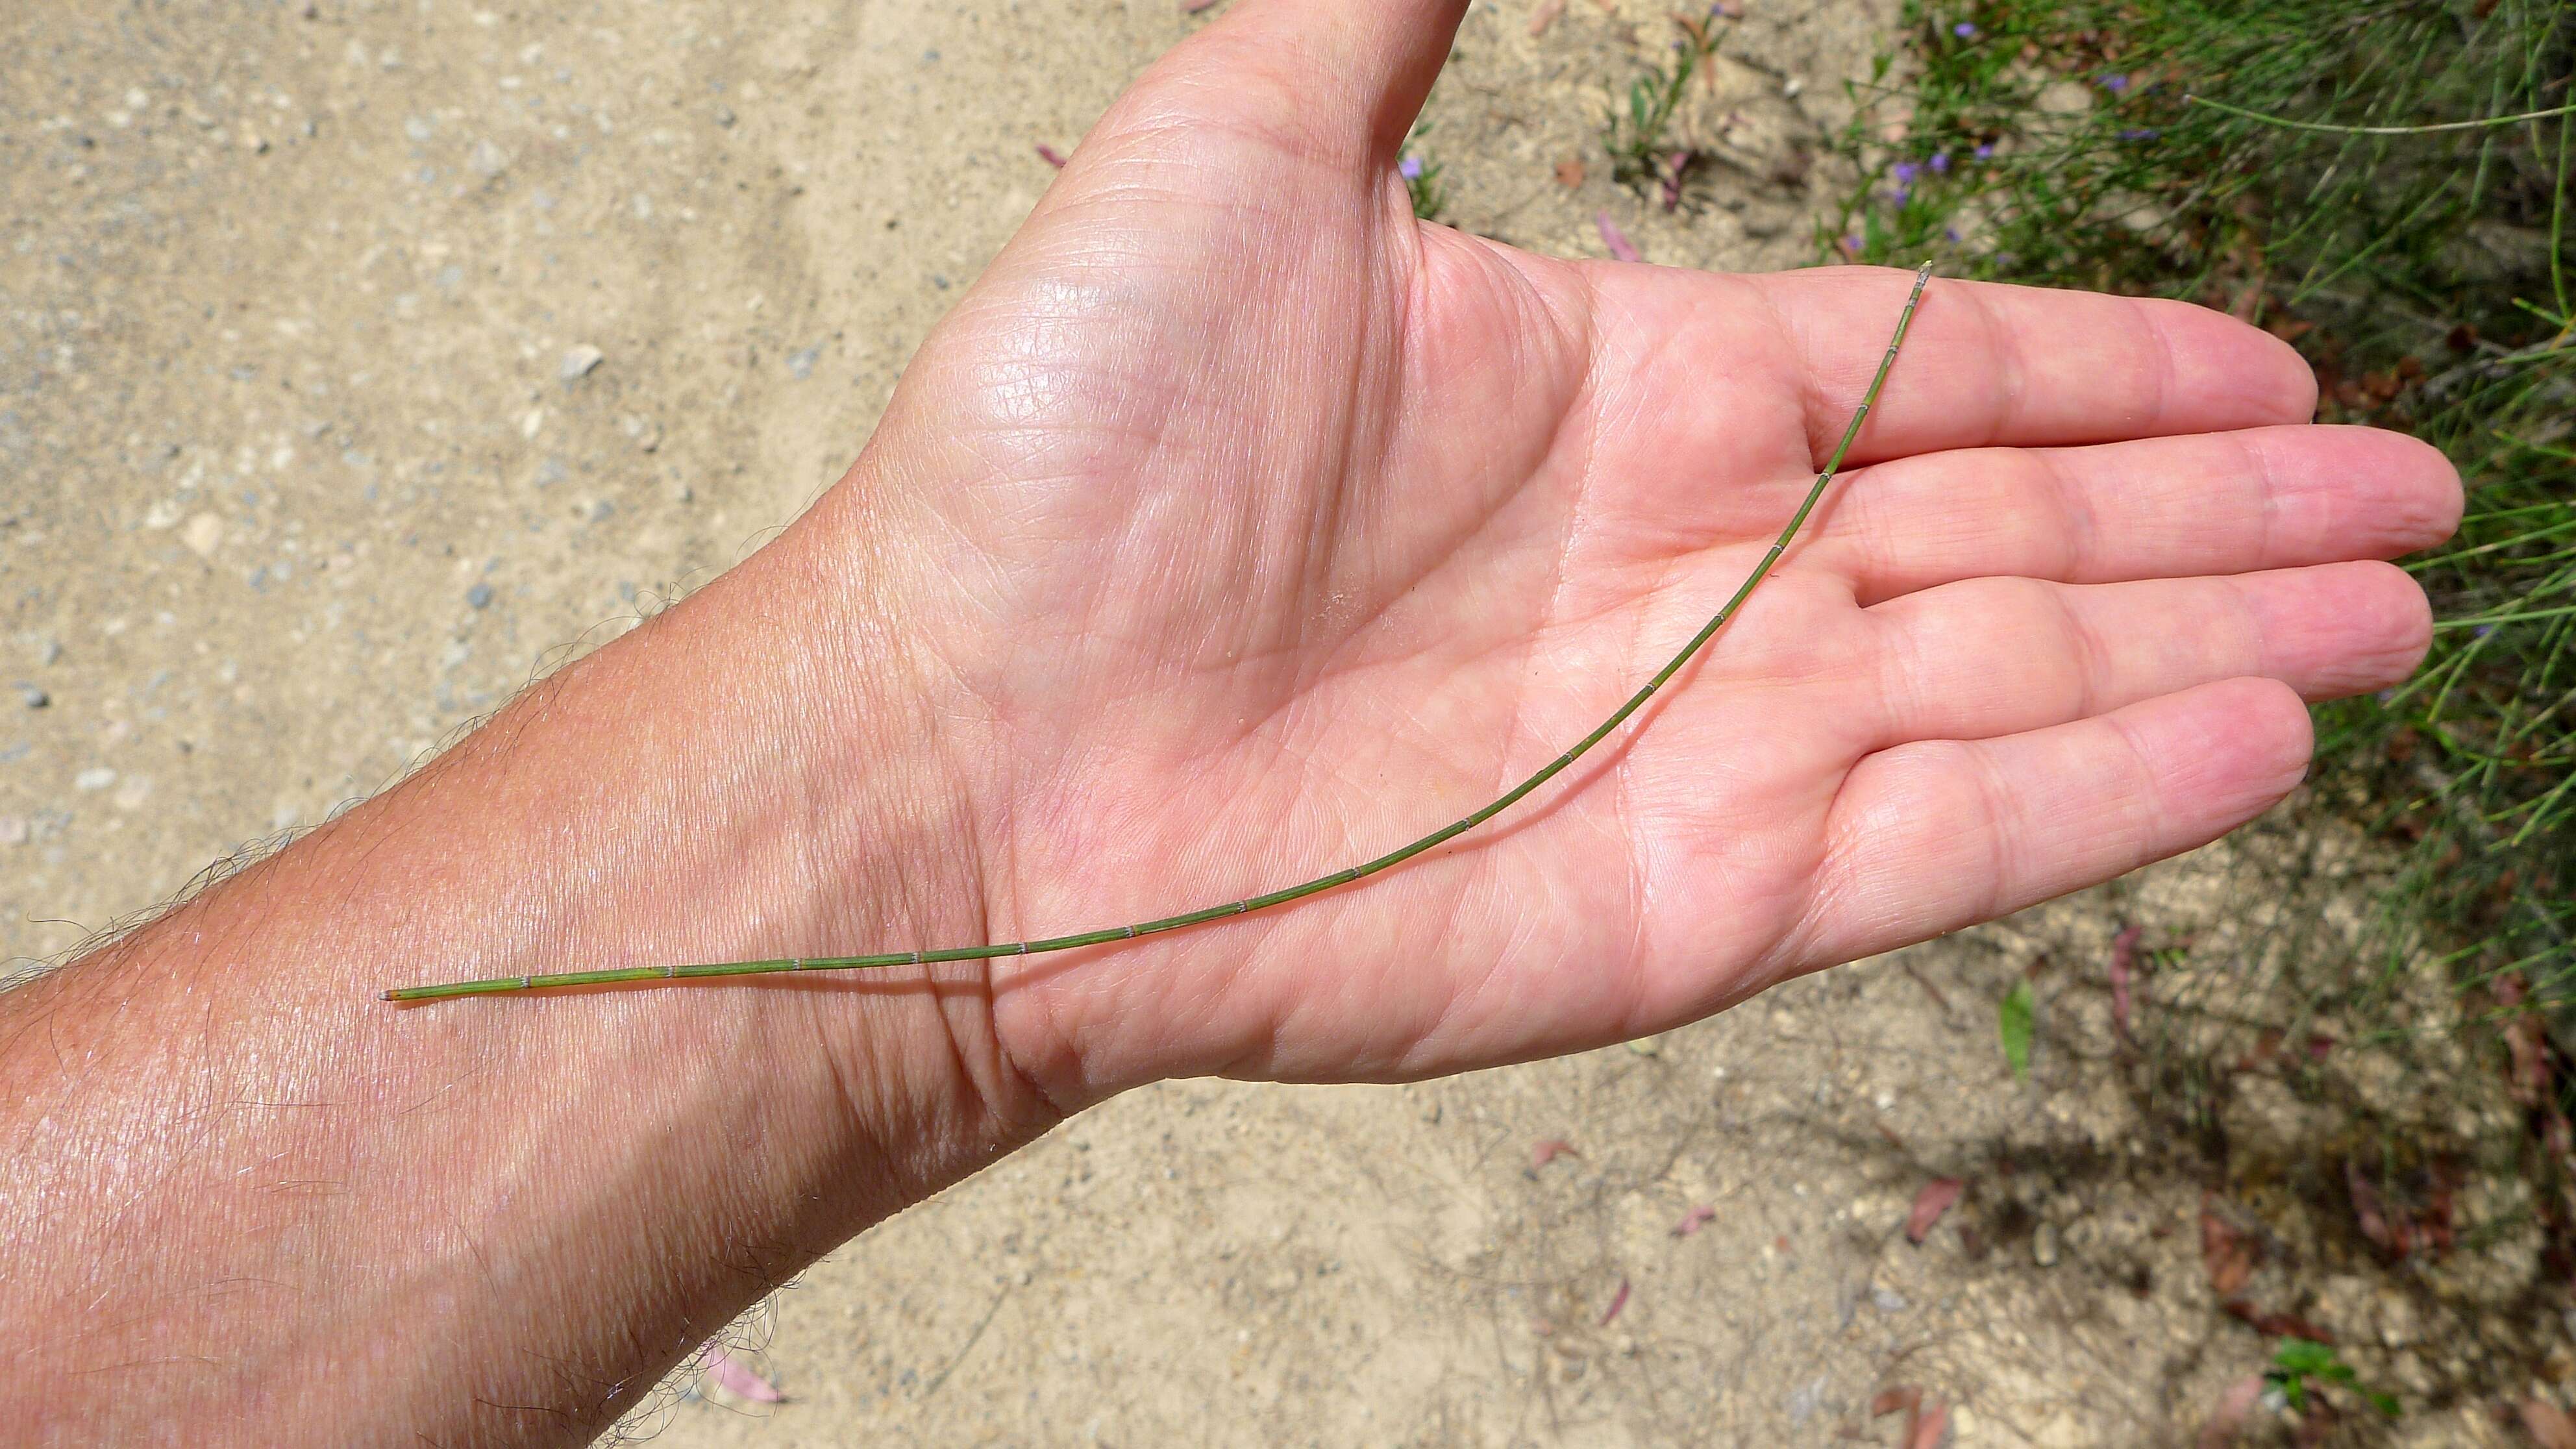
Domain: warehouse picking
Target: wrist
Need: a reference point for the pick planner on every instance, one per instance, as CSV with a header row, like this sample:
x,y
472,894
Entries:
x,y
550,1184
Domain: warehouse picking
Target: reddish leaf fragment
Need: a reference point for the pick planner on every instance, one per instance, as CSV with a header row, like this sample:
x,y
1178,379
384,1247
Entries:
x,y
1193,7
2267,1050
1923,1426
1937,1197
2225,1254
736,1377
1549,1149
1545,15
1904,1398
2372,1214
1569,172
2522,1037
2235,1407
1618,1301
2278,1325
1615,239
2548,1425
2124,959
1050,155
1693,1221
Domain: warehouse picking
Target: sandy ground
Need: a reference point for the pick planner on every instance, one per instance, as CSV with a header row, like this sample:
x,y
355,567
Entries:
x,y
360,359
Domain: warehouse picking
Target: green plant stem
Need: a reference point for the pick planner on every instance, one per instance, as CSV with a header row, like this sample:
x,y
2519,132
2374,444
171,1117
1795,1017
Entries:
x,y
2287,124
503,985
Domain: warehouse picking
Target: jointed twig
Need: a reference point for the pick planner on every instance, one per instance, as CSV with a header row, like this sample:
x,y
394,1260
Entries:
x,y
505,984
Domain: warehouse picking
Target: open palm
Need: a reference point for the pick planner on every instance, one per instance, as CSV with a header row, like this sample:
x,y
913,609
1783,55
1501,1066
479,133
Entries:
x,y
1271,528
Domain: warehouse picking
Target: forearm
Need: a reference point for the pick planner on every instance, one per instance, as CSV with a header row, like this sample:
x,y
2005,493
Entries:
x,y
246,1193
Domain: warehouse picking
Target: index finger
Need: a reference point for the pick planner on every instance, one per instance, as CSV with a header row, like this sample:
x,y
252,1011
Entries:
x,y
1988,365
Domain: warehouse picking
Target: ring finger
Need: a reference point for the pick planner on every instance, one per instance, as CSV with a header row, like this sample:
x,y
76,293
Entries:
x,y
1999,656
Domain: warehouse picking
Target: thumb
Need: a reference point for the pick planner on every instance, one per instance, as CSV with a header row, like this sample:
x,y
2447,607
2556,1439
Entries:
x,y
1342,80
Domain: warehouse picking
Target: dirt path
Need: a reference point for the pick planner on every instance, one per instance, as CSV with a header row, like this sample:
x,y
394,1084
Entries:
x,y
357,358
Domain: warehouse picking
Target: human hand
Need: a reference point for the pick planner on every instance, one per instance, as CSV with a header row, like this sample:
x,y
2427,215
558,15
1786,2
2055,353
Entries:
x,y
1234,529
1251,528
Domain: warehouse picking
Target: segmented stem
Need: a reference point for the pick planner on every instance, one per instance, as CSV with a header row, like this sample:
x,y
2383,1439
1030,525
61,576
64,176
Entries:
x,y
507,984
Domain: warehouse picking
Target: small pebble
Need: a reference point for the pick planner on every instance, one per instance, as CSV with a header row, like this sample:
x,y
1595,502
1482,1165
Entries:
x,y
33,697
581,362
94,779
1887,1300
479,596
2043,1245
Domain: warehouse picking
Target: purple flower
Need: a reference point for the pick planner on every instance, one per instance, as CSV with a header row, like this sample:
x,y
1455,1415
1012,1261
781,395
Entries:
x,y
2140,133
2115,82
1985,151
1905,172
1940,163
1851,243
1410,168
1952,233
1964,30
1901,195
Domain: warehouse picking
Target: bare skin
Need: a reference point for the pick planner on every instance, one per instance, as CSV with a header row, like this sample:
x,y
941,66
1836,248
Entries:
x,y
1235,527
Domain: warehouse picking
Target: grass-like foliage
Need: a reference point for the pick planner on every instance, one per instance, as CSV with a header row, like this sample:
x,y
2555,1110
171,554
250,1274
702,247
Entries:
x,y
1422,177
2386,184
1639,136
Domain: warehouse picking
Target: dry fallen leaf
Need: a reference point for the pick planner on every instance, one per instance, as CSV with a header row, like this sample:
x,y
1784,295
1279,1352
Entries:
x,y
1907,1399
736,1377
1937,1197
1618,1301
2370,1213
2124,958
2547,1424
1549,1149
2278,1325
2225,1253
1545,15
